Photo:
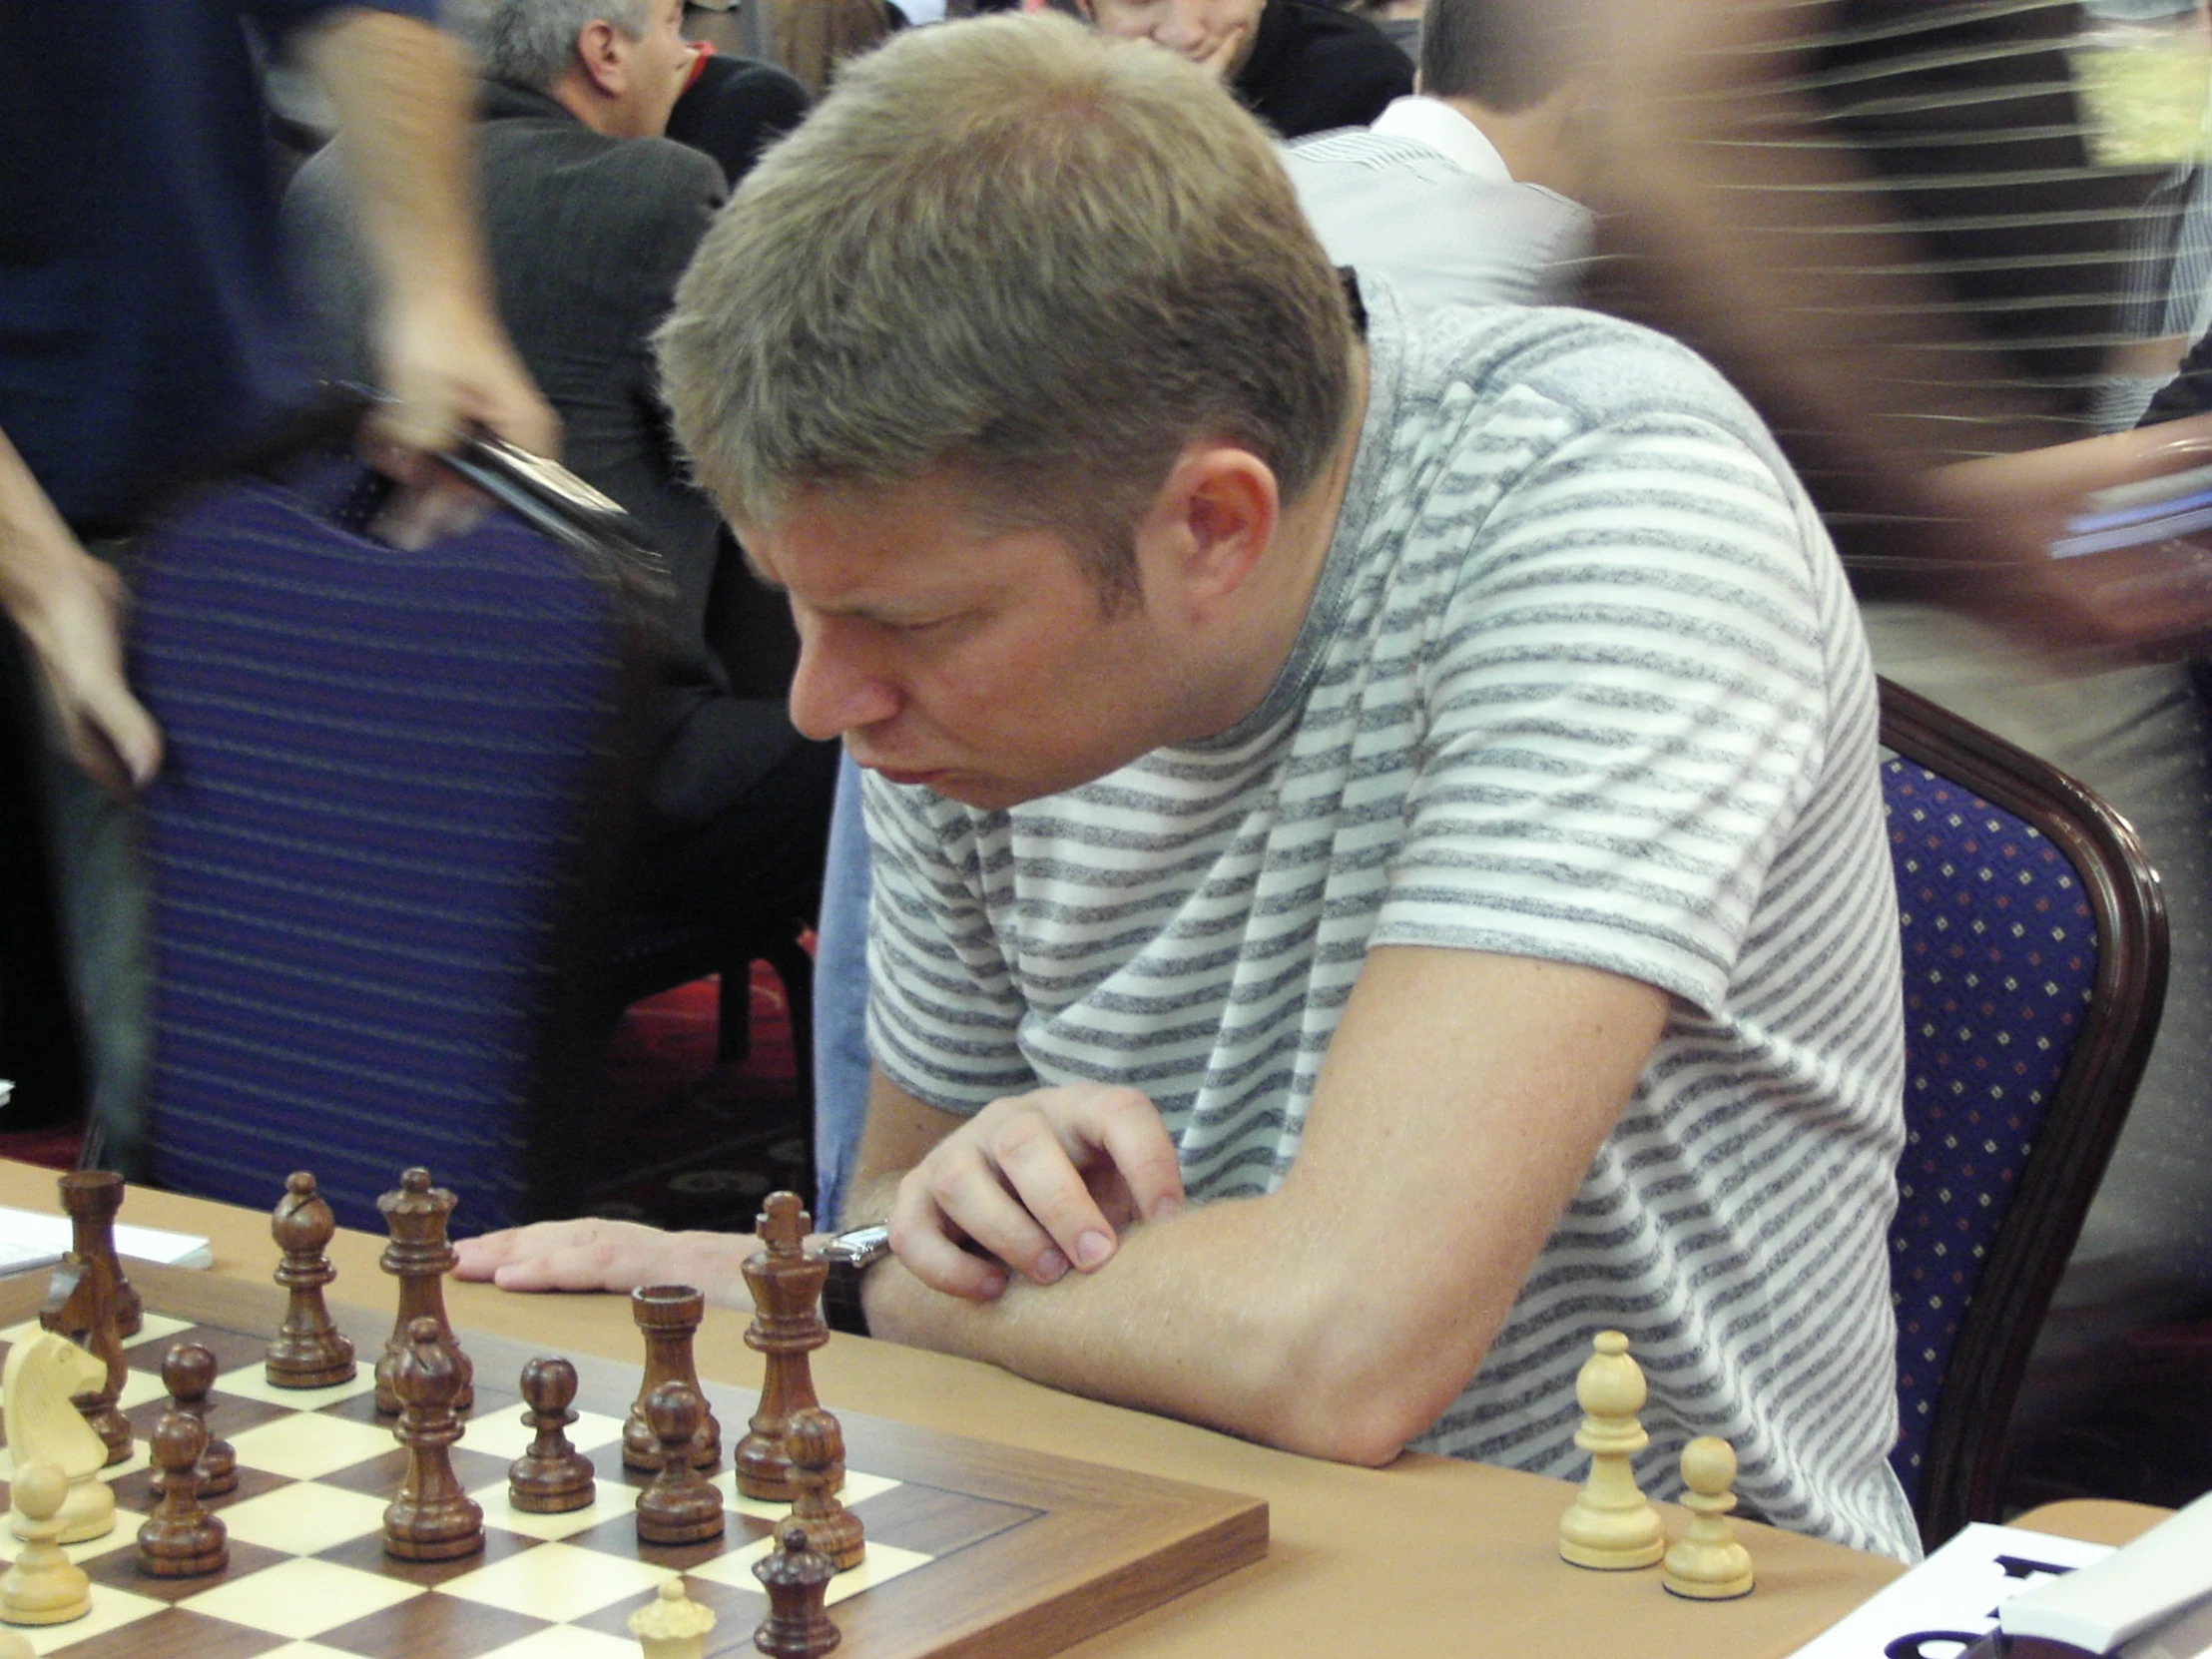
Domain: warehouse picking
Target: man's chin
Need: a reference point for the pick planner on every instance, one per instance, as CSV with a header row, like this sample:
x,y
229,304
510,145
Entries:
x,y
988,795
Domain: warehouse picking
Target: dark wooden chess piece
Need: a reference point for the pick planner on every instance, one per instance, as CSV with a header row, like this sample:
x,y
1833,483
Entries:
x,y
682,1505
432,1518
668,1315
180,1538
80,1306
91,1198
420,1257
309,1352
188,1373
552,1477
795,1579
786,1327
817,1445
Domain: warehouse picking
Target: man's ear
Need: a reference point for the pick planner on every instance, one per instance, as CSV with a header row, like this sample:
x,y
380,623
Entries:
x,y
601,57
1213,518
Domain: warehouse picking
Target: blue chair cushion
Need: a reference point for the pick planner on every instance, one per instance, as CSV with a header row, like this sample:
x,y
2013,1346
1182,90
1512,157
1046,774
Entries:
x,y
2001,956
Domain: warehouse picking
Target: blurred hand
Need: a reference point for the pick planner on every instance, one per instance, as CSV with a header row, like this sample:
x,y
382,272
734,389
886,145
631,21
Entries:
x,y
75,630
449,371
2154,600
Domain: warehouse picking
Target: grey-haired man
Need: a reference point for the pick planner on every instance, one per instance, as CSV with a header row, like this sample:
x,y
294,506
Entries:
x,y
1378,866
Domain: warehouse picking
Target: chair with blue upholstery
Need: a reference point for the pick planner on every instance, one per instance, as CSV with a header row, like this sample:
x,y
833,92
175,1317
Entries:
x,y
2034,943
383,842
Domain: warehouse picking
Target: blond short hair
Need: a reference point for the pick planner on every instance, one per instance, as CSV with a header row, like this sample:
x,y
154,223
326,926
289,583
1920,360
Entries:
x,y
1009,250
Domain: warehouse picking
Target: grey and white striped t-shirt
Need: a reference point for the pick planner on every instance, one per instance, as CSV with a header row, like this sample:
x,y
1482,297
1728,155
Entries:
x,y
1581,679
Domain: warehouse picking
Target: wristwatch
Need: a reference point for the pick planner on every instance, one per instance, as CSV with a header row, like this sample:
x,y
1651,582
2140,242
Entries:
x,y
849,1256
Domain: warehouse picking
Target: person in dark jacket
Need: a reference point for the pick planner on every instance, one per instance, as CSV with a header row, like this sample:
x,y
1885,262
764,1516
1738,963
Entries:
x,y
1299,66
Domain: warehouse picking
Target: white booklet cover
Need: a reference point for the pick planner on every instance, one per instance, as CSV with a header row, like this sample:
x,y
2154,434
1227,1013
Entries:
x,y
1951,1599
29,1240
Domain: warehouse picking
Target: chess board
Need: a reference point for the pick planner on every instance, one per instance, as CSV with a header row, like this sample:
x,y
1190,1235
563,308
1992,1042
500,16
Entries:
x,y
972,1549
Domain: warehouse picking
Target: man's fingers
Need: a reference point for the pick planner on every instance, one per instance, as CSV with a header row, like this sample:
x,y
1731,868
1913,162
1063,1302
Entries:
x,y
968,1191
921,1237
1137,1144
127,744
1041,1165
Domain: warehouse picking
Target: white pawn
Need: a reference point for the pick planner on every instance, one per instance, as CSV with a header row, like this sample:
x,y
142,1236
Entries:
x,y
1706,1562
1610,1526
675,1626
44,1586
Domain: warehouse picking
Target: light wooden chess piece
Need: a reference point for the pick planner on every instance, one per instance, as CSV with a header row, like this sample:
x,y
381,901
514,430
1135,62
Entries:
x,y
310,1350
13,1646
672,1626
816,1447
44,1586
787,1327
1610,1526
45,1426
1706,1562
81,1303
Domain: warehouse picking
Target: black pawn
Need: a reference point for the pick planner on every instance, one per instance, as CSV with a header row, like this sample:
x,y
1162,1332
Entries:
x,y
179,1539
682,1505
188,1373
795,1579
552,1477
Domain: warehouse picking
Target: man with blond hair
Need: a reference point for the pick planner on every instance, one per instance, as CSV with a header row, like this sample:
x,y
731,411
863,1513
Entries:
x,y
1378,866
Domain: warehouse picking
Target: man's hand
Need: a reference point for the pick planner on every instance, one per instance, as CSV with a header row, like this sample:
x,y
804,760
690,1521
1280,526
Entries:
x,y
595,1255
69,607
2149,600
1038,1182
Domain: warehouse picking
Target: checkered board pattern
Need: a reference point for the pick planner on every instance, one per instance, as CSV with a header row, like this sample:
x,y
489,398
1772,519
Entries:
x,y
308,1577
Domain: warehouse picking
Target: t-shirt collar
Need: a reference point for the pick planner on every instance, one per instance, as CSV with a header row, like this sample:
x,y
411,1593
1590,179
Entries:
x,y
1432,122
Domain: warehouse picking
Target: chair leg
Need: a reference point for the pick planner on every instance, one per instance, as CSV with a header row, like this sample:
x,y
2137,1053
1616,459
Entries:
x,y
734,1014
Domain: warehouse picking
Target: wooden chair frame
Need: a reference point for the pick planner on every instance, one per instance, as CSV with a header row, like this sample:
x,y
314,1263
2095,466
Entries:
x,y
1963,1467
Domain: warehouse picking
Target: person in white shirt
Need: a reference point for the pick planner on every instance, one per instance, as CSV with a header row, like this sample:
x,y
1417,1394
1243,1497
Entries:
x,y
1466,193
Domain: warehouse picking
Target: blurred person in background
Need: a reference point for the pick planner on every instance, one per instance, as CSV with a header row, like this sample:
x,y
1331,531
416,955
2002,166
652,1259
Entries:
x,y
145,333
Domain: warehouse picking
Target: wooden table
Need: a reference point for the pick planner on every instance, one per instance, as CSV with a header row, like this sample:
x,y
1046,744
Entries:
x,y
1430,1555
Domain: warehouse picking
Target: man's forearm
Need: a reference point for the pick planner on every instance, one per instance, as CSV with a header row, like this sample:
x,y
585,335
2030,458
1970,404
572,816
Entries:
x,y
36,547
1199,1317
403,95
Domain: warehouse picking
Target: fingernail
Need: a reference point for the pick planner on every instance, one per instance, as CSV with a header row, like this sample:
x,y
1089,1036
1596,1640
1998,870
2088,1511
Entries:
x,y
1092,1249
1167,1209
1049,1267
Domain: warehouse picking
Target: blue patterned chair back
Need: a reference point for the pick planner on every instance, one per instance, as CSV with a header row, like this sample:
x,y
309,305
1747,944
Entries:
x,y
2034,969
376,845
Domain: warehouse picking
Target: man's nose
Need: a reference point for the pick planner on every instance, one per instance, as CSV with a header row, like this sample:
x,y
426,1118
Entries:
x,y
835,687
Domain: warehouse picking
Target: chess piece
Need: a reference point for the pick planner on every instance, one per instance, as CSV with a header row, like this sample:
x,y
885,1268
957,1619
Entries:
x,y
309,1352
80,1303
180,1538
1609,1526
432,1518
188,1373
786,1327
672,1626
668,1314
13,1646
420,1257
44,1586
1707,1563
682,1505
552,1477
45,1426
817,1447
91,1198
795,1579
